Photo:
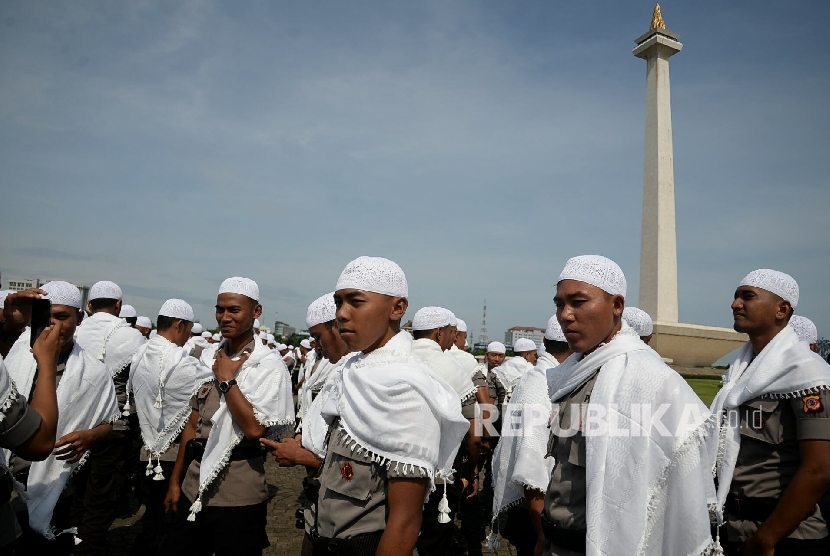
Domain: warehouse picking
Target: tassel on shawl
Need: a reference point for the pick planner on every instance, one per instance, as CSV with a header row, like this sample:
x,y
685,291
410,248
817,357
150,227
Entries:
x,y
159,474
149,470
195,508
159,399
444,507
126,411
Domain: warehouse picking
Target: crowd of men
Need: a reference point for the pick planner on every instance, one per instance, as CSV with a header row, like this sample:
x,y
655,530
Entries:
x,y
588,444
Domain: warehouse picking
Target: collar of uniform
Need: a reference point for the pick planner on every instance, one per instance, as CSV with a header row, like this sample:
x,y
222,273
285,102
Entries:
x,y
249,348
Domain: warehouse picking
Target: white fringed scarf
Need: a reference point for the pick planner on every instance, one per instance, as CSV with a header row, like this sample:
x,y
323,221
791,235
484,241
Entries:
x,y
511,372
86,399
109,339
647,494
785,368
266,384
464,358
445,366
8,391
194,341
520,461
394,408
163,378
315,381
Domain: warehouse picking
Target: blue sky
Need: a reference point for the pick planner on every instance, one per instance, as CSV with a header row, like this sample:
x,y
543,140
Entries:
x,y
166,146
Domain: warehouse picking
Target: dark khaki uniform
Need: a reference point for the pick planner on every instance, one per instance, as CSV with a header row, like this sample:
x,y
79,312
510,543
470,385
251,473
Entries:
x,y
769,458
565,500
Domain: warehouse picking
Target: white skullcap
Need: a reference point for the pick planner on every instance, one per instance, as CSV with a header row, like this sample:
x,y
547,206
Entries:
x,y
639,320
523,344
104,290
289,346
242,286
595,270
453,319
430,318
554,332
62,293
306,344
779,283
256,323
496,347
281,347
143,322
270,338
321,310
805,329
374,274
216,337
263,335
197,328
461,326
3,295
207,334
177,309
127,311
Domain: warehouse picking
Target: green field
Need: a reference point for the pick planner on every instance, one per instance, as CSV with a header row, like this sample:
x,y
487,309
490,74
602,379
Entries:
x,y
705,388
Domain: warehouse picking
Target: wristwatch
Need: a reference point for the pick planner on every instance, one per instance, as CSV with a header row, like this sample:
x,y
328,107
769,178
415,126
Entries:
x,y
226,385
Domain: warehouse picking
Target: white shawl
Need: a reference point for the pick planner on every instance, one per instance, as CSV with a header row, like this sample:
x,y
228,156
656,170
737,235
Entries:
x,y
444,366
315,381
194,341
519,460
510,372
647,493
8,391
546,361
785,368
163,378
86,399
109,339
464,358
266,384
396,409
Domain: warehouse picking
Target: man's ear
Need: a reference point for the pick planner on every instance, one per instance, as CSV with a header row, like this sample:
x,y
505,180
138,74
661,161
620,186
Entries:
x,y
118,307
399,307
257,311
784,310
81,316
619,305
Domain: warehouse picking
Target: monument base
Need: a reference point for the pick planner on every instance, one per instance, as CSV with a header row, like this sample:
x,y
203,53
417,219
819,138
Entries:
x,y
693,345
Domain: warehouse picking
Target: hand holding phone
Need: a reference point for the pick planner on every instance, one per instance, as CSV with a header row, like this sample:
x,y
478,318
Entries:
x,y
17,310
41,318
47,347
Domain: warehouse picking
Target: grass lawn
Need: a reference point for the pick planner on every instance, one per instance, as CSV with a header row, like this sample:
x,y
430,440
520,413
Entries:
x,y
705,388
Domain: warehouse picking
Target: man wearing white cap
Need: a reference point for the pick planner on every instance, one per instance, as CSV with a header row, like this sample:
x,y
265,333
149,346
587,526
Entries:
x,y
556,347
634,475
113,341
163,379
271,342
144,326
512,370
389,427
322,325
806,331
263,338
129,314
772,467
197,342
459,348
434,334
222,502
256,326
640,321
216,338
86,404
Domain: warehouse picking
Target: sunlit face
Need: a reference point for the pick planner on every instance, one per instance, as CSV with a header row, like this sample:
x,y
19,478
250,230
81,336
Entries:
x,y
235,314
529,356
446,337
461,340
364,318
755,310
588,315
70,318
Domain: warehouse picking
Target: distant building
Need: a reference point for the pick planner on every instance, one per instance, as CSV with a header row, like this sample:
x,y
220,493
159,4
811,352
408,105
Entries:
x,y
283,329
19,285
537,335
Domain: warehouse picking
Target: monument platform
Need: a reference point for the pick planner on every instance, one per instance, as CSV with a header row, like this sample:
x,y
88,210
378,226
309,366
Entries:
x,y
693,345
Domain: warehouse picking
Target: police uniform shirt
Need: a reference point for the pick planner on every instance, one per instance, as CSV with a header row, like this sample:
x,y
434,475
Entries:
x,y
565,499
241,482
496,388
353,491
769,457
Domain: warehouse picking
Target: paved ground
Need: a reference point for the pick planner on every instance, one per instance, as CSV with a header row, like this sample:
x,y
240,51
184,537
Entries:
x,y
285,486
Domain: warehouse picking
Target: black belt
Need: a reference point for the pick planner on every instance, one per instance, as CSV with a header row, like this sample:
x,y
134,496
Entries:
x,y
750,509
570,539
359,545
237,454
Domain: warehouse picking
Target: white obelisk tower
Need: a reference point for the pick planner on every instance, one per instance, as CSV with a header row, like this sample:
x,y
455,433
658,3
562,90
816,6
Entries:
x,y
658,247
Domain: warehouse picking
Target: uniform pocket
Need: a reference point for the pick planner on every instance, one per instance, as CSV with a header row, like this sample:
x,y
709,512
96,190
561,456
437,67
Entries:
x,y
761,420
349,478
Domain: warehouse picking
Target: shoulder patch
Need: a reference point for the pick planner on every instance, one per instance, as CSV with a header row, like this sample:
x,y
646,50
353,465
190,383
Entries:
x,y
204,391
812,403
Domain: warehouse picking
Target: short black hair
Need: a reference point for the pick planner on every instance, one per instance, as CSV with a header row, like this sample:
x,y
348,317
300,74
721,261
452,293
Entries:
x,y
419,334
102,303
131,320
163,322
552,346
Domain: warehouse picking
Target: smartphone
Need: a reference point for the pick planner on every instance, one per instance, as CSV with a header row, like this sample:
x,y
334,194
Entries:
x,y
41,317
